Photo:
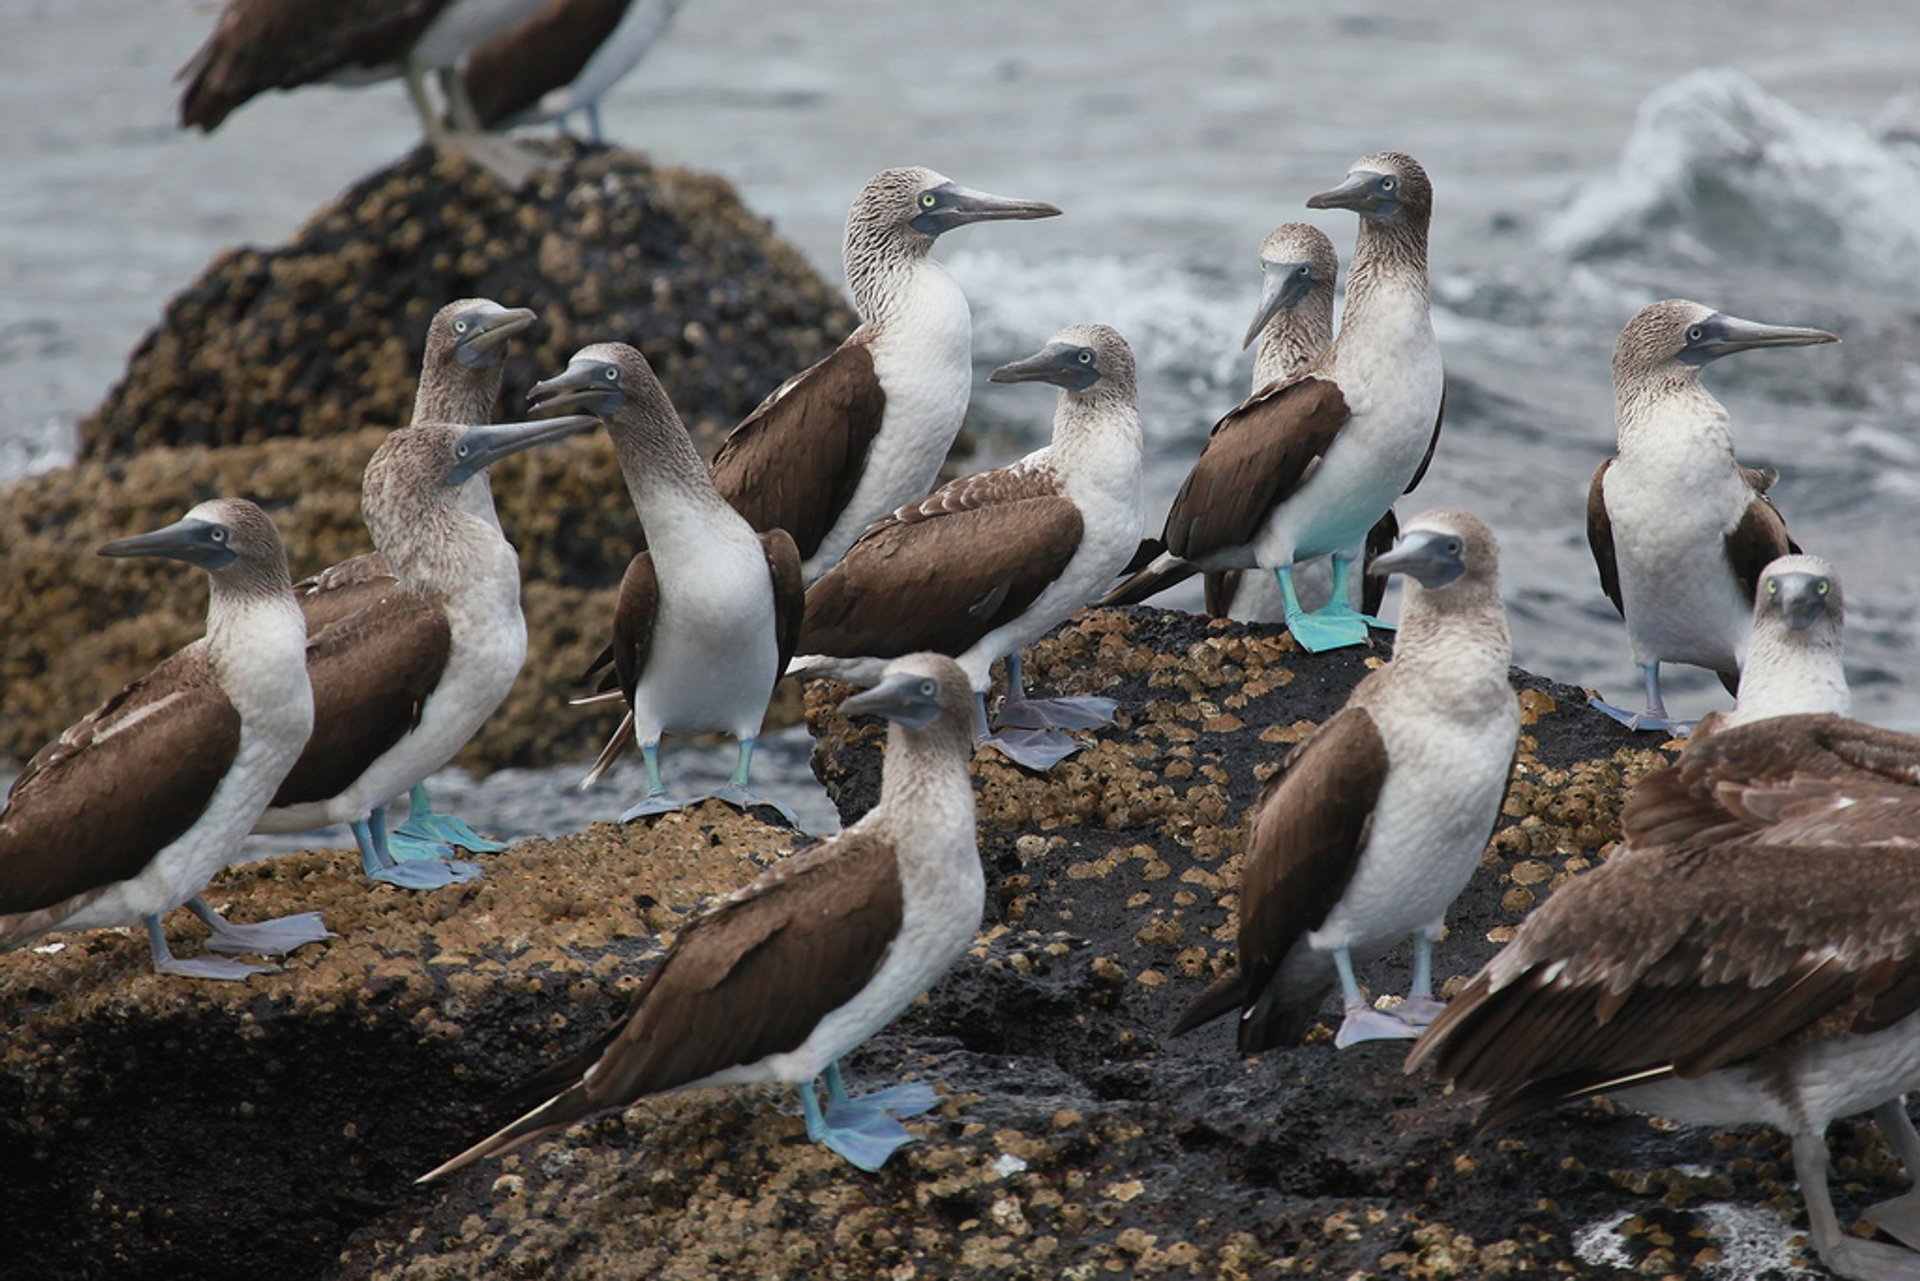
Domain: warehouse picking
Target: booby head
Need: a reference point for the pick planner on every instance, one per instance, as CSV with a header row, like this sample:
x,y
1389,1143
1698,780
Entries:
x,y
1801,591
475,332
1081,360
1675,336
920,693
1387,185
1449,555
230,538
1297,262
913,206
601,379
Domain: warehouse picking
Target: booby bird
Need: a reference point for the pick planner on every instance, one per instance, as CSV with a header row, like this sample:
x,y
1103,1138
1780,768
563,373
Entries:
x,y
1679,529
563,60
1747,956
401,684
781,979
1305,468
129,813
1793,661
994,561
841,444
1375,823
708,614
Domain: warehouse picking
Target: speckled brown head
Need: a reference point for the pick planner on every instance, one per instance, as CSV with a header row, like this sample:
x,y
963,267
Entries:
x,y
1386,187
1088,362
466,350
1299,265
230,538
1673,338
1451,559
898,215
927,697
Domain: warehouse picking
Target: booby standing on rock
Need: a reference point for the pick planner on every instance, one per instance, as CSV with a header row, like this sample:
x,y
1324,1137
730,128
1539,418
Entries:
x,y
708,614
1679,529
784,977
129,814
1306,468
838,446
1375,823
563,59
401,684
994,561
1747,956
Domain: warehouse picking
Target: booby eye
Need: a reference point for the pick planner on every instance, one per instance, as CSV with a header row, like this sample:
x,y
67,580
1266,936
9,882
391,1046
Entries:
x,y
1387,183
460,450
1454,546
1822,586
1695,334
1773,587
1086,357
219,535
1303,270
460,326
928,200
613,373
928,689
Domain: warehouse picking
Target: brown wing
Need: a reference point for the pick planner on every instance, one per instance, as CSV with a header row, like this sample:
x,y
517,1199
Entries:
x,y
635,610
1759,538
789,591
1600,537
509,74
93,806
1433,443
339,591
794,462
1257,456
372,673
939,582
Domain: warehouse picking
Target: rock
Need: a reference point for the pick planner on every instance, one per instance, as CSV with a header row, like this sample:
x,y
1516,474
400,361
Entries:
x,y
271,1128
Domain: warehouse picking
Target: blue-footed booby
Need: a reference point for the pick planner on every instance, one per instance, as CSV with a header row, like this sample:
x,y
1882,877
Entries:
x,y
128,814
841,444
1375,823
403,682
1747,956
994,561
708,614
1304,469
1794,659
782,978
1680,531
563,59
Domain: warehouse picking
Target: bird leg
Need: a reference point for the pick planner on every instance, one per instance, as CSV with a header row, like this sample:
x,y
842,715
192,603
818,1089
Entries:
x,y
909,1098
1654,717
1846,1256
865,1131
1020,712
1035,749
262,938
199,967
1900,1217
1361,1022
506,160
737,794
377,861
429,834
1333,626
657,801
1420,1009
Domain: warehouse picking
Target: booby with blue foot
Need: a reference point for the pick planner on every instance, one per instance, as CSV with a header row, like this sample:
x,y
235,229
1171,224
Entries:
x,y
1376,822
561,60
783,978
1679,529
708,614
1306,467
401,684
994,561
838,446
129,813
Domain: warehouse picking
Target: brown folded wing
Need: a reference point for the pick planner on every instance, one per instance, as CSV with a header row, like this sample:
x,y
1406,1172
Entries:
x,y
789,592
510,73
343,589
1600,536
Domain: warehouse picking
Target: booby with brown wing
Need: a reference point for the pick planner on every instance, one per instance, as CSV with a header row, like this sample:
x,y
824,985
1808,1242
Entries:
x,y
563,59
708,614
1794,659
1680,530
128,814
784,977
1746,957
838,446
994,561
1305,468
1376,823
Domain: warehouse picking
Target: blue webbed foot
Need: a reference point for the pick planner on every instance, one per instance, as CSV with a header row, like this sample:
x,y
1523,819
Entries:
x,y
745,798
426,829
1365,1023
909,1098
428,873
1333,627
1035,749
1650,719
270,938
194,967
1418,1011
1085,711
1898,1218
864,1134
658,803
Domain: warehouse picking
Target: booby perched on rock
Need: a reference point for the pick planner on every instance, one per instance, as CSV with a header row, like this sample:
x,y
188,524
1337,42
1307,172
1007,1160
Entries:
x,y
562,60
1305,468
1679,529
838,446
129,814
784,977
708,614
1376,822
994,561
1747,956
402,683
1794,659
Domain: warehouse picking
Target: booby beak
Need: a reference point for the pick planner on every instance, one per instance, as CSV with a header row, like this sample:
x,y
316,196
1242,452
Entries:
x,y
910,700
1063,364
1429,556
1367,193
587,387
481,346
1284,285
1722,335
1799,599
205,543
481,447
950,205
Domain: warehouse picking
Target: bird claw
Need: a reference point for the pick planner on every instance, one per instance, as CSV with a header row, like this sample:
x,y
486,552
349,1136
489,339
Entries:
x,y
744,798
1649,719
1898,1218
1369,1024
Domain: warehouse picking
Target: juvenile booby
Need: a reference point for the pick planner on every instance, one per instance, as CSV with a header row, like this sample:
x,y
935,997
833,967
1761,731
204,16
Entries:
x,y
1794,659
1747,956
562,60
401,684
1679,529
784,977
708,614
841,444
994,561
1375,823
128,814
1305,468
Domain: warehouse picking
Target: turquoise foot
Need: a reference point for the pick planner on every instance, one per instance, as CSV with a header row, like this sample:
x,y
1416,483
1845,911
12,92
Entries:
x,y
427,827
864,1134
745,798
1035,749
910,1098
1326,629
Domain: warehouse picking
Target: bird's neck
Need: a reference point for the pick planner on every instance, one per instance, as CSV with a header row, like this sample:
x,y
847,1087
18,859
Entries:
x,y
1387,285
671,490
445,549
885,271
1096,439
1789,673
452,393
924,776
1293,339
1666,406
254,625
1454,646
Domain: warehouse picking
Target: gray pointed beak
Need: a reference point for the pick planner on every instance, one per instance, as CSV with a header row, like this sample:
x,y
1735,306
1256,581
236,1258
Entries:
x,y
1723,335
1799,599
1058,363
1357,193
907,699
1428,556
198,542
956,206
1282,287
583,389
483,346
481,447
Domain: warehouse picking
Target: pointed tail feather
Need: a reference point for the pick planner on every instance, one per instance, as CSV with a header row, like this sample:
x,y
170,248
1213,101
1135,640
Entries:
x,y
1223,996
622,739
1150,550
1164,572
557,1113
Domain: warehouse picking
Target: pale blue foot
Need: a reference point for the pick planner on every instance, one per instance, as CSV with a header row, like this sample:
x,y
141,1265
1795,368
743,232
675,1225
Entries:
x,y
863,1135
415,874
426,828
198,967
1650,719
909,1098
658,803
1084,711
1035,749
1418,1011
1368,1024
277,937
745,798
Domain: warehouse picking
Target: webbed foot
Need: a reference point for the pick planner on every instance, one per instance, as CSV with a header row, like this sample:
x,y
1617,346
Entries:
x,y
430,834
1035,749
277,937
745,798
1860,1260
1331,627
658,803
428,873
1368,1024
863,1130
1649,719
1080,711
1418,1011
1898,1218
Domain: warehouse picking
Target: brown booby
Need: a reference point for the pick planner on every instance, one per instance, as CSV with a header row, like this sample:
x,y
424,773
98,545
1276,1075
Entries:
x,y
781,979
1680,531
708,614
1746,956
1306,468
129,813
561,60
841,444
994,561
1376,823
402,683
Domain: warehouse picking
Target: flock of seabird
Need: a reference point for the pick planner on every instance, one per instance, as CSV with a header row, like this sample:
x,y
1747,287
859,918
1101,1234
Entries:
x,y
1747,954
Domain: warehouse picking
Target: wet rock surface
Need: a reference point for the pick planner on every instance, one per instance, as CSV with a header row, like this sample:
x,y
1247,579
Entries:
x,y
149,1125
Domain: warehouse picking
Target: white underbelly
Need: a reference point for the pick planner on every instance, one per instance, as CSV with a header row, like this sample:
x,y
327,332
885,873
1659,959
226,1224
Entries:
x,y
710,674
1680,598
464,25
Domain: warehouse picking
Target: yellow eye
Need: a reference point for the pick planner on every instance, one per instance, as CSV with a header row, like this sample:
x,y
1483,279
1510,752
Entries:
x,y
1822,587
1773,587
